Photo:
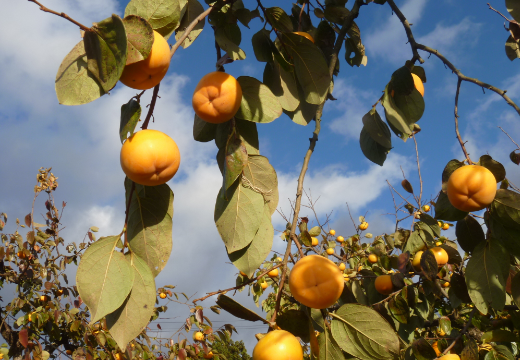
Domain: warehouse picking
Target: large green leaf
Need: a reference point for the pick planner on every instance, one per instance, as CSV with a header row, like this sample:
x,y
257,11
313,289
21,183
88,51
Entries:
x,y
499,352
262,46
469,233
329,348
203,131
127,322
423,350
149,228
445,211
450,167
258,102
235,160
377,129
310,67
106,48
336,14
395,117
373,151
104,277
140,38
253,255
363,333
261,177
75,84
193,10
279,19
512,48
228,37
506,208
411,105
296,322
507,236
246,130
485,278
494,166
513,6
130,114
283,85
163,15
237,310
238,215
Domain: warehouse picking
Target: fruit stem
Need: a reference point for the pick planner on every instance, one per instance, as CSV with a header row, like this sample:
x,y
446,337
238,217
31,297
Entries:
x,y
152,107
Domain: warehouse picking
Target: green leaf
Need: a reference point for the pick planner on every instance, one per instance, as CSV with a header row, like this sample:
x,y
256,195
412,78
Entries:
x,y
512,48
261,177
149,228
499,336
371,149
513,7
203,131
193,10
515,288
304,112
296,322
329,348
402,81
358,49
310,67
395,117
499,352
163,15
237,310
104,277
106,48
445,211
399,309
228,38
506,208
258,102
238,217
458,285
139,34
246,130
470,351
415,242
507,236
262,46
279,19
315,231
253,255
130,114
377,129
127,322
469,233
485,279
450,167
283,85
363,333
423,350
235,160
494,166
75,84
411,105
336,14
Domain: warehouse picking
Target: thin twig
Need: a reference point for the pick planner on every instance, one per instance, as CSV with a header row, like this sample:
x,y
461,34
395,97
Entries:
x,y
239,286
63,15
510,138
152,107
419,171
457,122
334,58
498,12
301,13
188,30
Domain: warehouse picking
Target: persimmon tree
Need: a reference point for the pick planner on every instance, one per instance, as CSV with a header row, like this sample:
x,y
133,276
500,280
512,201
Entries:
x,y
408,293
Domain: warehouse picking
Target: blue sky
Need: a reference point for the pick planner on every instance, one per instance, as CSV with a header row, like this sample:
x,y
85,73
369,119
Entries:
x,y
82,145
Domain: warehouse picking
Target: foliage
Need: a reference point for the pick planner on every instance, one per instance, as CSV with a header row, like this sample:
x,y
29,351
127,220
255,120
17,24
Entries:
x,y
108,318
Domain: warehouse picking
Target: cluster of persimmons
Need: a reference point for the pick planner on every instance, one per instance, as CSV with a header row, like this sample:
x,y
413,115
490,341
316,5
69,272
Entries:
x,y
150,157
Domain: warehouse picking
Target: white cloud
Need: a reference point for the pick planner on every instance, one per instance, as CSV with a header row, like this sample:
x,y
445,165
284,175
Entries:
x,y
353,103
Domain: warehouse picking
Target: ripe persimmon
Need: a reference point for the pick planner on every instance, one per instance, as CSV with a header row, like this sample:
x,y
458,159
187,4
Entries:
x,y
316,282
340,239
208,355
278,345
416,262
147,73
332,232
372,258
198,336
441,256
471,188
264,285
305,35
273,273
384,284
450,357
363,226
150,157
315,241
217,97
330,251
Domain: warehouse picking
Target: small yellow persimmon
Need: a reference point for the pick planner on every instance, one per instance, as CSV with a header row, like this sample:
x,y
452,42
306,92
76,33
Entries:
x,y
340,239
315,241
441,256
198,336
162,295
278,345
264,285
330,251
342,266
332,232
363,226
416,262
372,258
273,273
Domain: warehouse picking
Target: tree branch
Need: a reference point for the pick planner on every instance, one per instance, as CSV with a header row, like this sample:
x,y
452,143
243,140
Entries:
x,y
416,46
152,107
63,15
188,30
332,65
457,122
